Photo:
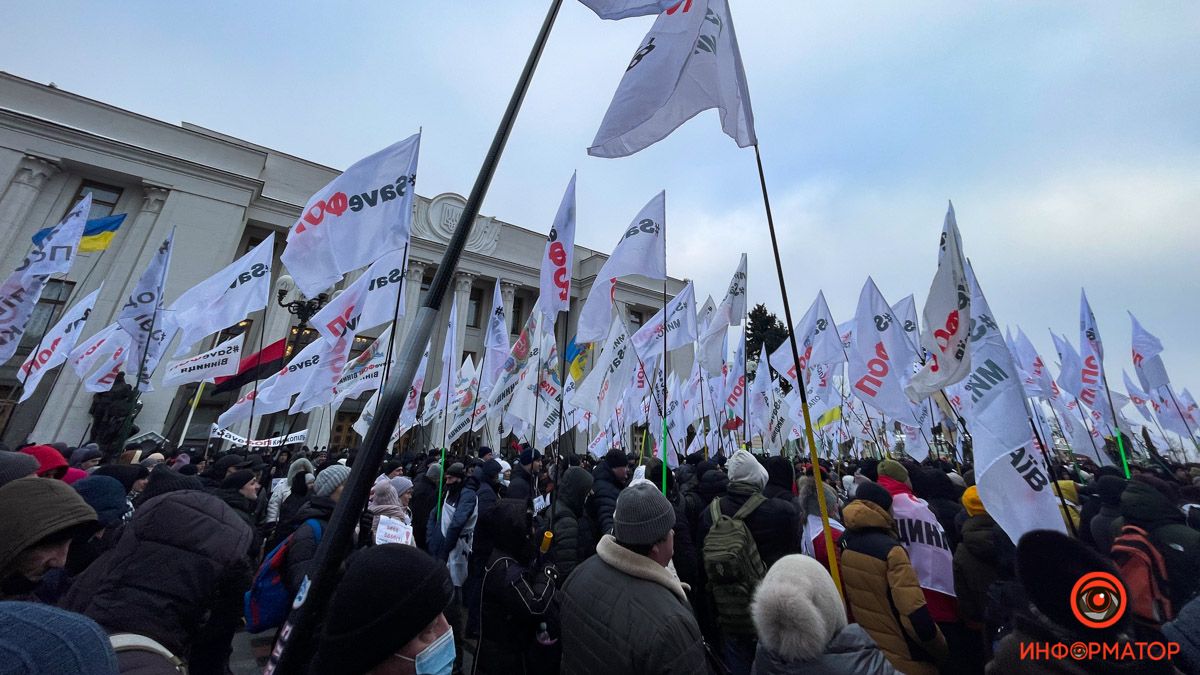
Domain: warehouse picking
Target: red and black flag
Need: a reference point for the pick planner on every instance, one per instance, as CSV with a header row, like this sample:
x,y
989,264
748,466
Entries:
x,y
254,367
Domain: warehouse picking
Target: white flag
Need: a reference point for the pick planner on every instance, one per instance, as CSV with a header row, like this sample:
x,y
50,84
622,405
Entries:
x,y
1139,398
18,297
1089,332
679,326
604,386
141,316
761,392
1147,364
225,298
877,366
641,250
384,297
55,253
558,258
623,9
337,323
527,345
275,393
728,313
97,348
220,361
947,319
365,371
408,416
1011,478
687,63
817,340
56,345
449,357
495,345
349,223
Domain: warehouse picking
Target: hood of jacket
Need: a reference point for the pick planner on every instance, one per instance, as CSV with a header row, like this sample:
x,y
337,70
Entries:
x,y
713,484
301,465
861,514
894,487
979,536
320,508
1142,504
930,483
574,487
780,473
639,566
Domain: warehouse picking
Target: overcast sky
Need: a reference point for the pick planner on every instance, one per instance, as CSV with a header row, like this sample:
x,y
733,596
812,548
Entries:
x,y
1066,133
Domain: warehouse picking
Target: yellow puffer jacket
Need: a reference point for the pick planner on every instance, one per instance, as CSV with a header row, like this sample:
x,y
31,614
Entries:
x,y
884,593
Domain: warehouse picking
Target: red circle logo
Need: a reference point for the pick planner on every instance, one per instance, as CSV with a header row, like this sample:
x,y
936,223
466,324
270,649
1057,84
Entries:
x,y
1098,600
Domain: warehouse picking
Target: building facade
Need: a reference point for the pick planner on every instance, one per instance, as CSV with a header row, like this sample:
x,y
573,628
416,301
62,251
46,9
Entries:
x,y
222,196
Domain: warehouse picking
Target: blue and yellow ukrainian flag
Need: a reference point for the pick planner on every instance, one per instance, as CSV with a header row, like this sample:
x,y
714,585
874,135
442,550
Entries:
x,y
577,358
97,234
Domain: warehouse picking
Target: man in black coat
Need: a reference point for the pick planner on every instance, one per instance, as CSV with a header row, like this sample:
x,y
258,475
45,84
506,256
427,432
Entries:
x,y
327,490
520,484
424,500
608,479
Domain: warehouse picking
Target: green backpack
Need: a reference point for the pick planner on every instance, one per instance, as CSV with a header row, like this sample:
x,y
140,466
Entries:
x,y
733,566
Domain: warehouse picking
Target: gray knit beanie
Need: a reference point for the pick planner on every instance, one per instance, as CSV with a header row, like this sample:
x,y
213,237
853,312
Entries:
x,y
330,478
14,465
643,515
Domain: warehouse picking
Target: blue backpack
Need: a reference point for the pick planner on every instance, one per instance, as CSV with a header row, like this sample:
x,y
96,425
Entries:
x,y
268,600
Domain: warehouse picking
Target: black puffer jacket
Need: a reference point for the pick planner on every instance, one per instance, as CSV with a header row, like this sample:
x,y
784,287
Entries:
x,y
773,524
943,497
244,507
176,575
605,490
1144,506
570,546
304,544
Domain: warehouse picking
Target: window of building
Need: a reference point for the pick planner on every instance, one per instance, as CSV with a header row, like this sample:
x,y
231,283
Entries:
x,y
48,309
636,318
104,198
518,308
475,308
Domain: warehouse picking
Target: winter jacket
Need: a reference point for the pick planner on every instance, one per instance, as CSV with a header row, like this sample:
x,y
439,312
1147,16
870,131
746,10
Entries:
x,y
928,552
1144,506
976,565
605,490
303,547
624,613
883,592
520,484
569,546
244,507
780,476
942,497
177,576
774,525
485,497
1101,527
850,652
424,500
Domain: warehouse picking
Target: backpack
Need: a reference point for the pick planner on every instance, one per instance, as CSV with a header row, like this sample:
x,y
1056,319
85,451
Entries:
x,y
1145,575
268,601
733,565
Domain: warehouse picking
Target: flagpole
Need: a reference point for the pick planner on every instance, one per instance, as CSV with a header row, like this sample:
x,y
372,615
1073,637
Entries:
x,y
787,311
387,364
1079,407
562,397
296,640
666,364
703,414
1116,423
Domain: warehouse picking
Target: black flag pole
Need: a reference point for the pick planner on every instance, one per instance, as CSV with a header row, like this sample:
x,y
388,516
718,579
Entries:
x,y
297,640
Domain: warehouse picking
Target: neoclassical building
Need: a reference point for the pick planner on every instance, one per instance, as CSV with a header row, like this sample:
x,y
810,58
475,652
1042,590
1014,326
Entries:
x,y
222,195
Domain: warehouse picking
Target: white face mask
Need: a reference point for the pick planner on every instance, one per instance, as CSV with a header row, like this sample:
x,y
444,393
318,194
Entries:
x,y
437,658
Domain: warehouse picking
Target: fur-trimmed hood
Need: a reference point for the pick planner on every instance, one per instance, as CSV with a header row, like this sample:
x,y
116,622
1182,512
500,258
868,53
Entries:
x,y
640,566
797,609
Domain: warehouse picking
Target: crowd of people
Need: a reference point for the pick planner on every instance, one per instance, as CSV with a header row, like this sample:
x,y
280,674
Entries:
x,y
512,562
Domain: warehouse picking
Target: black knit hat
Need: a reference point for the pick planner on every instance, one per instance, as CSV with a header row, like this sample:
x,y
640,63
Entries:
x,y
369,620
875,494
615,459
237,480
163,479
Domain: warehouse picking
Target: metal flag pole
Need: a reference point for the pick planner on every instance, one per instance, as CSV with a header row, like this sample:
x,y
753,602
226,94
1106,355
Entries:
x,y
787,311
296,642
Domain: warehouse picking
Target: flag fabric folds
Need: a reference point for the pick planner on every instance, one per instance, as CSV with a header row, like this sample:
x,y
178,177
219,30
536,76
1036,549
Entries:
x,y
947,319
225,298
142,317
349,223
558,258
98,233
687,63
57,343
642,249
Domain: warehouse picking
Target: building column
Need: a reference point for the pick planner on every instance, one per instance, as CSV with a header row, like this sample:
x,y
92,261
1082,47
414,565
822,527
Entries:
x,y
462,297
32,175
413,276
67,408
508,291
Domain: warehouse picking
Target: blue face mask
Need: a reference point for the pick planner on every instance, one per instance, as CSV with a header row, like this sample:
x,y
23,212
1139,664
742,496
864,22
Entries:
x,y
438,657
